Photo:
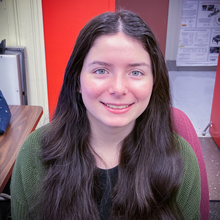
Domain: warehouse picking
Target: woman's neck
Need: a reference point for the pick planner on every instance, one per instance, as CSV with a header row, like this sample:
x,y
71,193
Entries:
x,y
106,143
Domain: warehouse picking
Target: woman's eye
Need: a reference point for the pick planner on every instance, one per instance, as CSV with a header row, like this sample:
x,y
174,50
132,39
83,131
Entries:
x,y
136,73
100,71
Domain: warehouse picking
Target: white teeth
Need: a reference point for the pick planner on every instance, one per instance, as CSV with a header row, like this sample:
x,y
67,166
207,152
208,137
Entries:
x,y
117,107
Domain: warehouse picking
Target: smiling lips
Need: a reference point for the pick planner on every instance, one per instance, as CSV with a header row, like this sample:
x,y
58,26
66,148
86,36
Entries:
x,y
117,108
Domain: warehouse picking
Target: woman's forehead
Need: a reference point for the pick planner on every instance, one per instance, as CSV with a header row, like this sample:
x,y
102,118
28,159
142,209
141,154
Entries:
x,y
118,45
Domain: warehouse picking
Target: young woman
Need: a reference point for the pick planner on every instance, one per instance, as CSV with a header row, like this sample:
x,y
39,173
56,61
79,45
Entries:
x,y
109,151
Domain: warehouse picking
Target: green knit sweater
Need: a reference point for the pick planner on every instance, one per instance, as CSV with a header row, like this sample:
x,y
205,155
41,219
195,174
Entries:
x,y
28,172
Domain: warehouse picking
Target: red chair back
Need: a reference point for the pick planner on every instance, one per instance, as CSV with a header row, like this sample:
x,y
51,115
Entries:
x,y
183,126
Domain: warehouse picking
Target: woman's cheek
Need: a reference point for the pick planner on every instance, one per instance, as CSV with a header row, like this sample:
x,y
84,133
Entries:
x,y
143,90
95,88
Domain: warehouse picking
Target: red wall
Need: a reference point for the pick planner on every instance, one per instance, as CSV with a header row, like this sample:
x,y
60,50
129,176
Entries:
x,y
215,114
154,12
62,22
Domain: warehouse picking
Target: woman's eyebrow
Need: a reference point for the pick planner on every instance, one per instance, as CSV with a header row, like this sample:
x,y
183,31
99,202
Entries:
x,y
100,63
138,64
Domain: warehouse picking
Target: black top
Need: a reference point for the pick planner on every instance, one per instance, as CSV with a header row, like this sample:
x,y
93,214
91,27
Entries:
x,y
106,181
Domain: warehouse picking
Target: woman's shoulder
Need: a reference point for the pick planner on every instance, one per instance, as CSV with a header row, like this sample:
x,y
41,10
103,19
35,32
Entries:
x,y
29,154
33,141
185,149
28,160
28,171
189,194
191,166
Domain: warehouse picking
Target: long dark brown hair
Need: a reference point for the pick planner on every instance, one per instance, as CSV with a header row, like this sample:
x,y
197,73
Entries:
x,y
150,168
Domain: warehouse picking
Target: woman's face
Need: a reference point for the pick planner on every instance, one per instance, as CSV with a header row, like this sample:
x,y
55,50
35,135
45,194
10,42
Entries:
x,y
116,81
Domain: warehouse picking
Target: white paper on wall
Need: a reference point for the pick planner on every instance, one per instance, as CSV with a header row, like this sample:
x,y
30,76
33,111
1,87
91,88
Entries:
x,y
199,38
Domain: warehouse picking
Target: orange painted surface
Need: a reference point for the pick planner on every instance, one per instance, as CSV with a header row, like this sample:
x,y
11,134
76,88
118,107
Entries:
x,y
215,114
62,22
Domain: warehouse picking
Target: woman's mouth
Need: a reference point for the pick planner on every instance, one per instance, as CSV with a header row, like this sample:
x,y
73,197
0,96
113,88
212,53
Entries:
x,y
113,106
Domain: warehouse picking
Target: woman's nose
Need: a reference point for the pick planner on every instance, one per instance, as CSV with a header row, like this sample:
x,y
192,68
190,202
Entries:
x,y
118,86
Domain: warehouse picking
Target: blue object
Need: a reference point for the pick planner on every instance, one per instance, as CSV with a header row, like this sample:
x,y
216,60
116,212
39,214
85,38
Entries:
x,y
5,114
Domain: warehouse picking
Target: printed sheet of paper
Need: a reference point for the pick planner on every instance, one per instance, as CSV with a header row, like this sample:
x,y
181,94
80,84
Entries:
x,y
199,39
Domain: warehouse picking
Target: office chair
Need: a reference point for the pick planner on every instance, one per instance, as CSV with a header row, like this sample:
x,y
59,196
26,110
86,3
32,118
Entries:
x,y
183,126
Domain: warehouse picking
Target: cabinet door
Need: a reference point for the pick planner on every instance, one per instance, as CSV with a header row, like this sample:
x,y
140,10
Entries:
x,y
10,78
215,114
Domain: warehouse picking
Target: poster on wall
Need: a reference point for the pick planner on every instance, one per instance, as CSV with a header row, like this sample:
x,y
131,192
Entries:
x,y
199,38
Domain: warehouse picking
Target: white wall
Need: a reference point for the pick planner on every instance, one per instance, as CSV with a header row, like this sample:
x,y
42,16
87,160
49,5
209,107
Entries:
x,y
21,24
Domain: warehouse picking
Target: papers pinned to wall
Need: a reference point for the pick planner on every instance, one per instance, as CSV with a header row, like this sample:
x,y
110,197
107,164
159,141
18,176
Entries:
x,y
199,38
